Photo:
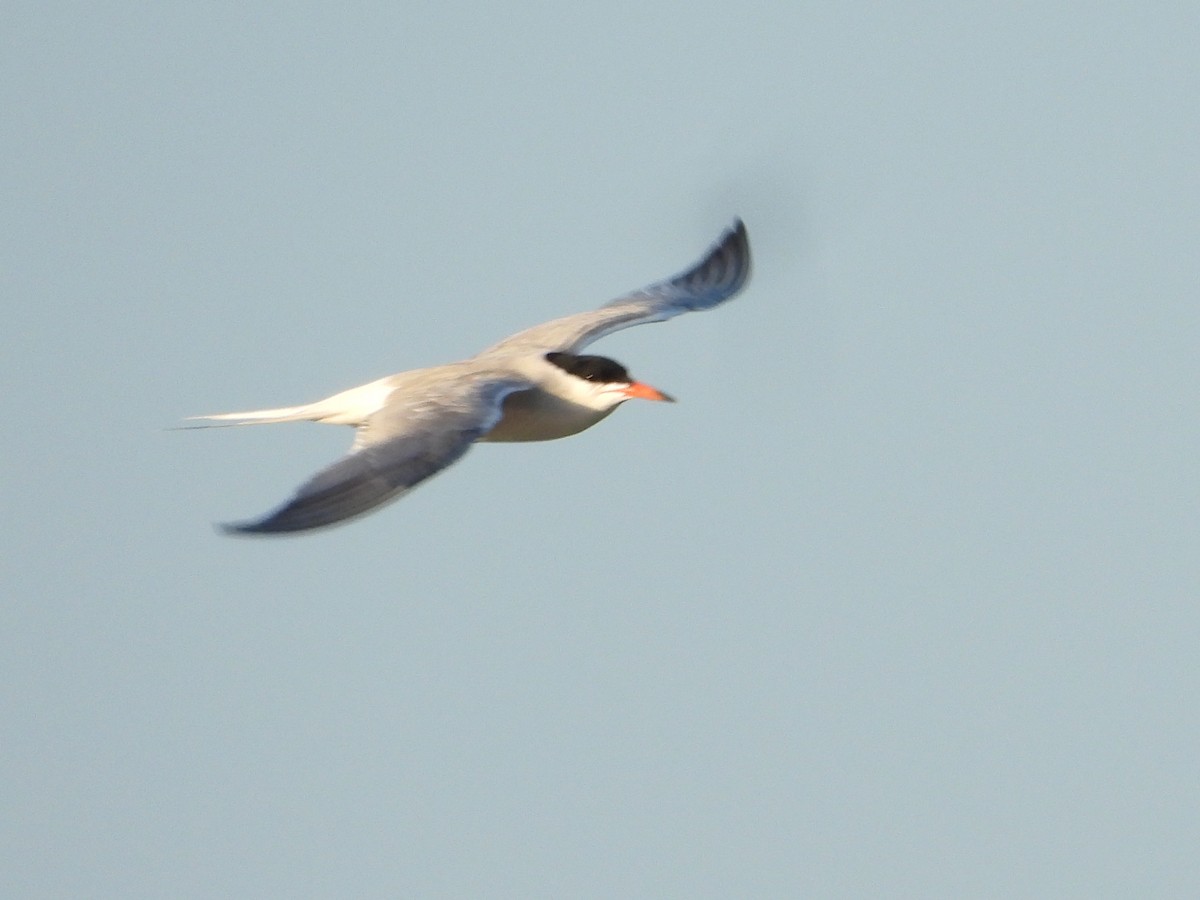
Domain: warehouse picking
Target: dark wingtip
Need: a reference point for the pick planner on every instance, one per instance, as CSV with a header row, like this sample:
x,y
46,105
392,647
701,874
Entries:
x,y
237,528
737,241
244,529
725,269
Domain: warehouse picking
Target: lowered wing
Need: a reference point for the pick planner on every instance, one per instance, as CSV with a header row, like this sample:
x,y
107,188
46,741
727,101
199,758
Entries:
x,y
404,443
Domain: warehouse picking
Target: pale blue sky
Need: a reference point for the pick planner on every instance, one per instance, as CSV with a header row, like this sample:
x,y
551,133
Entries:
x,y
899,600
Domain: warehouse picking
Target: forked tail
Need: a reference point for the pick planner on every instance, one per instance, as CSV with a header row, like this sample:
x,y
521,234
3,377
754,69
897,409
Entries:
x,y
352,407
256,417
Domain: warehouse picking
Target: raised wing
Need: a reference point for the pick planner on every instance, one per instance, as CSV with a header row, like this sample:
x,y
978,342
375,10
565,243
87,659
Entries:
x,y
400,446
722,272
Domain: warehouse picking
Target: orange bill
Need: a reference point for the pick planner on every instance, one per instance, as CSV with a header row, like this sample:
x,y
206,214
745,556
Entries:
x,y
645,392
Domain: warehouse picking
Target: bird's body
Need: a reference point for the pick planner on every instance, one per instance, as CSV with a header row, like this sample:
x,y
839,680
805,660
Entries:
x,y
540,415
532,386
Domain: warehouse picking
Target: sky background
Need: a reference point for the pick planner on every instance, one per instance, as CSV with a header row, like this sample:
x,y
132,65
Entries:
x,y
900,600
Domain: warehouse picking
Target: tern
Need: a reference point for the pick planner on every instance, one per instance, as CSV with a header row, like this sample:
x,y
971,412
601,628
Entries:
x,y
533,386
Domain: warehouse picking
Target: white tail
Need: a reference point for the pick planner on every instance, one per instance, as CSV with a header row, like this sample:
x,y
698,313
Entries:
x,y
352,407
258,417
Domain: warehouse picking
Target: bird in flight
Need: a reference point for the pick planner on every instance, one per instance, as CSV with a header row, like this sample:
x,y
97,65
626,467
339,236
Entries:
x,y
533,386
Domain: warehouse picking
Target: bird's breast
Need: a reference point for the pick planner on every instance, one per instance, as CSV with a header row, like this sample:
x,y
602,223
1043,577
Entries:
x,y
537,415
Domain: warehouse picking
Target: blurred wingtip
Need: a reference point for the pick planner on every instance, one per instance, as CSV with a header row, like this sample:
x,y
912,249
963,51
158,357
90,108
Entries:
x,y
249,528
234,529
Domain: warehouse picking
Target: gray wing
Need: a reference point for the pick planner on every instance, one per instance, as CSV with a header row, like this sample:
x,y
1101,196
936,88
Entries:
x,y
399,447
722,272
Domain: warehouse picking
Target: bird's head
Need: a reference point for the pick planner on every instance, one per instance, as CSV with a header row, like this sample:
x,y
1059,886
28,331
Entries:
x,y
599,382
